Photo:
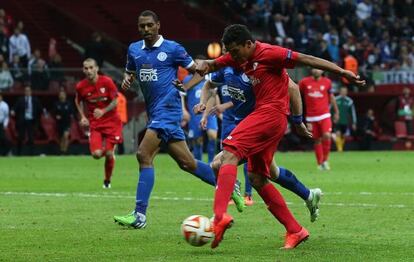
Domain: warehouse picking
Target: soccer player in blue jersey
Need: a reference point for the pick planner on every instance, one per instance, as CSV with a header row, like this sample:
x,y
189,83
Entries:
x,y
237,101
195,132
241,103
153,62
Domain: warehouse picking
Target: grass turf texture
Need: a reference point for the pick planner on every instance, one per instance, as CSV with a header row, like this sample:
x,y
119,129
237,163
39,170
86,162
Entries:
x,y
367,212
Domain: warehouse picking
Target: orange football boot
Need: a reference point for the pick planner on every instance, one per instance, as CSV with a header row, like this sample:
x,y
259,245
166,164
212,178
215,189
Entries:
x,y
292,240
221,227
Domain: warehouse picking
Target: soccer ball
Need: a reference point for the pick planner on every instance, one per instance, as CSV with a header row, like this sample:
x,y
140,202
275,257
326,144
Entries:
x,y
197,230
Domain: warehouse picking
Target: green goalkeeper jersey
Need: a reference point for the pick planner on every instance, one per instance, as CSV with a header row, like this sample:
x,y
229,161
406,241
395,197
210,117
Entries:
x,y
346,109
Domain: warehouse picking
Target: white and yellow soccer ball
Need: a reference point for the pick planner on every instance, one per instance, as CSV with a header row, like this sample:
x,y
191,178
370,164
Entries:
x,y
197,230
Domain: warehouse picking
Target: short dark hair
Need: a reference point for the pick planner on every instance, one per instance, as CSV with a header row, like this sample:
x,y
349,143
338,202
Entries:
x,y
236,33
150,13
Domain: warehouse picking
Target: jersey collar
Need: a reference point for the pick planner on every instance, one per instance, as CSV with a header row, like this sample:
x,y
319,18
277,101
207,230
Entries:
x,y
157,44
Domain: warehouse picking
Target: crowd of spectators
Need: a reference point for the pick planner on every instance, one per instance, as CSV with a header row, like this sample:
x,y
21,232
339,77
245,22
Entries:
x,y
18,64
378,33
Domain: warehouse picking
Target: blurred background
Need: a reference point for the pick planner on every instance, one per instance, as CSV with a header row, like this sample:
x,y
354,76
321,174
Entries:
x,y
43,44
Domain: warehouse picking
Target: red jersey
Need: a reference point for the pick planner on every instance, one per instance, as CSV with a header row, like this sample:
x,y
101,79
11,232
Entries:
x,y
317,96
267,73
99,95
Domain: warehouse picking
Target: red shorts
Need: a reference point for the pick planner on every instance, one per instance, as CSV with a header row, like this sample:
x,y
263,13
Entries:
x,y
320,127
111,135
256,138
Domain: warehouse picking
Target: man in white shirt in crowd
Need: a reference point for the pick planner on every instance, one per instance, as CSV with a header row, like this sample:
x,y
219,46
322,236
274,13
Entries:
x,y
19,45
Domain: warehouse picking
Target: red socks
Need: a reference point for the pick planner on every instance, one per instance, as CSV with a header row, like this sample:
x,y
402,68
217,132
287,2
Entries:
x,y
319,153
277,206
225,186
326,145
109,167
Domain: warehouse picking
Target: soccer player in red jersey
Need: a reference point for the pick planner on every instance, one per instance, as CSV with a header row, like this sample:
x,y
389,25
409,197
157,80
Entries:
x,y
257,136
316,90
99,94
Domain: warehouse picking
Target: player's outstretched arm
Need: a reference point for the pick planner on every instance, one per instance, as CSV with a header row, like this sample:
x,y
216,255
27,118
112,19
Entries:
x,y
204,97
326,65
204,67
297,110
211,102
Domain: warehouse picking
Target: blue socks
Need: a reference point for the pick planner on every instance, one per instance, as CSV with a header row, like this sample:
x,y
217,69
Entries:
x,y
144,188
205,173
247,186
198,151
289,181
211,149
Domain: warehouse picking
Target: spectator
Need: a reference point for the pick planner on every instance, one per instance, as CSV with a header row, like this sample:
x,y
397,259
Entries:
x,y
277,29
333,49
36,56
364,10
17,72
95,49
19,45
6,79
4,42
63,112
301,39
405,109
56,68
40,76
367,132
4,121
27,112
351,64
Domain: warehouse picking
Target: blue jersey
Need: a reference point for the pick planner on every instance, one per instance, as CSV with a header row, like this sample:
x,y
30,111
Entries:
x,y
155,68
238,88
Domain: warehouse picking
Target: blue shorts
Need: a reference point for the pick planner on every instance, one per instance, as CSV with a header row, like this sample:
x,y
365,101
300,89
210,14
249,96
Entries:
x,y
226,129
167,130
194,129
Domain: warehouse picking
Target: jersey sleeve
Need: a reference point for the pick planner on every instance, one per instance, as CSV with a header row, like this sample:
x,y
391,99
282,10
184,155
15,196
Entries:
x,y
225,60
113,90
182,58
280,57
216,78
130,64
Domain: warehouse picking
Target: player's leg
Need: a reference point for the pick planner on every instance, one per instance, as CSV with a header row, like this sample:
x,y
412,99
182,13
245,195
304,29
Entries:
x,y
95,144
288,180
198,147
248,200
276,205
225,185
212,128
110,148
326,128
145,155
179,151
317,146
211,144
338,139
65,141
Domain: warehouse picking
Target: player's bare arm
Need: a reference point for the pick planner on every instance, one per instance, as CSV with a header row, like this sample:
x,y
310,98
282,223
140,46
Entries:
x,y
204,67
297,110
335,108
211,102
129,78
325,65
79,106
204,97
220,108
98,113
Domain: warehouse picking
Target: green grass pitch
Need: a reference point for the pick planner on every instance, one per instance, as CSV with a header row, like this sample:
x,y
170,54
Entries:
x,y
54,209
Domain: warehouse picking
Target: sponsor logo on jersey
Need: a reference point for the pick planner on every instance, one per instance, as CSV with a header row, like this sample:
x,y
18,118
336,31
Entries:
x,y
229,138
102,89
162,56
117,138
225,91
198,94
237,94
148,75
245,78
255,64
315,94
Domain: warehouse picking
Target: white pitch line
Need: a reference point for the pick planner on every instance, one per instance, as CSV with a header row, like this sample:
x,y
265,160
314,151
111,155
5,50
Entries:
x,y
112,195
